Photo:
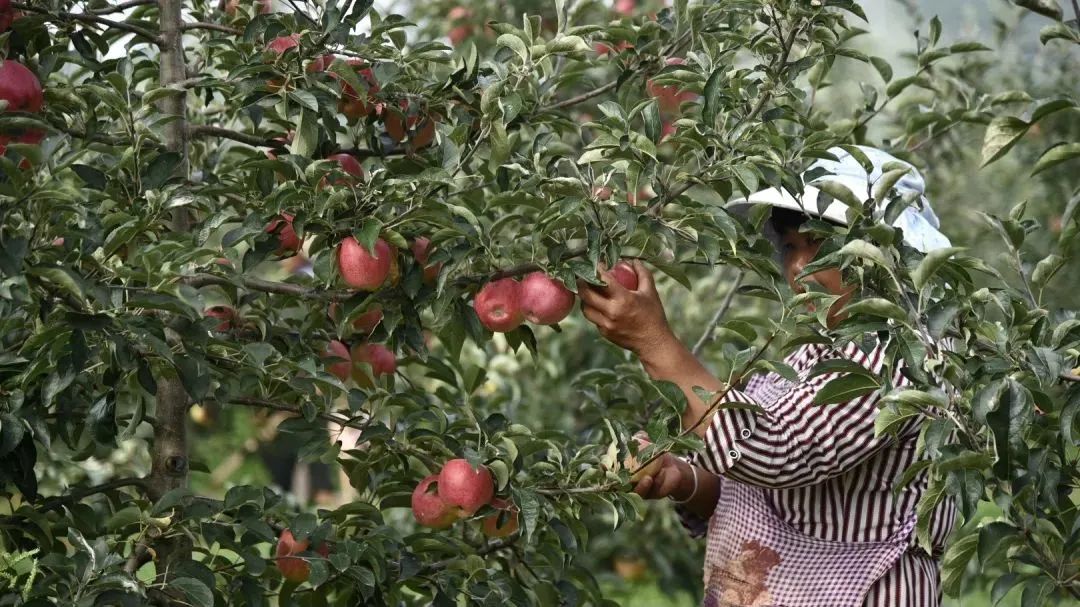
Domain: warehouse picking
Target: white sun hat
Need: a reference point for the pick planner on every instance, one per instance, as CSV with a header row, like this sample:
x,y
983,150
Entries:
x,y
918,221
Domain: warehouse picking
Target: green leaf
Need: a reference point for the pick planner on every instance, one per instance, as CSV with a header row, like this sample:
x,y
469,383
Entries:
x,y
62,278
990,537
91,176
840,192
195,593
1058,31
1056,155
876,306
931,264
160,169
840,365
307,135
1046,8
865,250
955,561
1001,135
883,68
714,88
845,388
515,44
915,398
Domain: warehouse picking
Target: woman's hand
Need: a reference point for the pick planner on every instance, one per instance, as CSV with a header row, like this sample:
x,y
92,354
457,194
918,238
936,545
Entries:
x,y
634,320
673,479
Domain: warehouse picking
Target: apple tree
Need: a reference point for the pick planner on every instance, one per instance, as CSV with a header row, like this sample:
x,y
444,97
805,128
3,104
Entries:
x,y
328,211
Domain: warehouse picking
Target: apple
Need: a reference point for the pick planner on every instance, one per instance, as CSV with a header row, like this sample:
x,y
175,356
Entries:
x,y
226,314
421,249
545,300
429,509
364,323
632,465
340,369
498,304
351,104
288,241
361,269
669,98
602,193
458,18
625,7
230,7
294,568
625,275
603,48
350,165
283,43
7,15
508,512
406,120
21,89
379,357
464,486
283,140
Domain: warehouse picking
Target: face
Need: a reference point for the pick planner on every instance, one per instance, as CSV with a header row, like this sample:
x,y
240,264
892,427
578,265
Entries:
x,y
798,249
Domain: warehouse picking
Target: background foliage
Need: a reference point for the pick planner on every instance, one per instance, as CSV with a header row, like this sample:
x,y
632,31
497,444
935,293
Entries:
x,y
112,496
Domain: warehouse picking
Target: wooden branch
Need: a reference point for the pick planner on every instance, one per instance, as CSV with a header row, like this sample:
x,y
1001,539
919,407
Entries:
x,y
498,544
205,130
707,334
580,98
266,286
123,6
267,404
90,18
215,27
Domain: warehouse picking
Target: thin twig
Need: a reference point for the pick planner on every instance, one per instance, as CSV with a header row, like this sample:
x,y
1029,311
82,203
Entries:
x,y
123,6
707,334
88,18
580,98
216,27
205,130
265,286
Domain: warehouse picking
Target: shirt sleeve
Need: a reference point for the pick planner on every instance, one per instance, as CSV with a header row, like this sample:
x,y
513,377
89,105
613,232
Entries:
x,y
794,442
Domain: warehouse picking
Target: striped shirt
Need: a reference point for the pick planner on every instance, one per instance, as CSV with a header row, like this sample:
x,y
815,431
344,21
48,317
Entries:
x,y
824,472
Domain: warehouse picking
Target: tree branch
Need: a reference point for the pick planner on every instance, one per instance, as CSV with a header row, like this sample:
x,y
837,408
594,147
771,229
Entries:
x,y
580,98
707,334
123,6
205,130
266,286
89,18
266,404
216,27
56,502
498,544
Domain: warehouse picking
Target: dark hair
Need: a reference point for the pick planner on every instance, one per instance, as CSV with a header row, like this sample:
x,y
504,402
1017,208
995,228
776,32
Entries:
x,y
783,220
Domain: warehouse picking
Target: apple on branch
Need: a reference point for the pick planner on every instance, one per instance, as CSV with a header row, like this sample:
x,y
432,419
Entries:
x,y
466,487
339,359
362,269
22,91
421,250
380,358
545,300
295,568
429,509
505,520
498,305
288,241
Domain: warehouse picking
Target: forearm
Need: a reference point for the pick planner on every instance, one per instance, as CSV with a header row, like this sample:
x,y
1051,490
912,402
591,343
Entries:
x,y
674,362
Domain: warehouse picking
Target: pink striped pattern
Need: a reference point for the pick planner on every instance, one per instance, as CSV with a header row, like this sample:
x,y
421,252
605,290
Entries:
x,y
824,472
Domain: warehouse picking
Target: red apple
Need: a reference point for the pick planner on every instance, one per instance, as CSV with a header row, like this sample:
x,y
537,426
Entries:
x,y
421,249
231,6
379,357
508,512
224,313
21,89
350,165
364,323
283,43
340,369
625,7
429,509
294,568
352,104
545,300
625,275
288,241
362,269
461,29
602,193
320,64
462,485
603,48
7,15
498,304
408,121
669,98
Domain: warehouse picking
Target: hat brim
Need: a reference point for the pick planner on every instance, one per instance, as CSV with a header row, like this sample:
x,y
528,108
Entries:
x,y
836,212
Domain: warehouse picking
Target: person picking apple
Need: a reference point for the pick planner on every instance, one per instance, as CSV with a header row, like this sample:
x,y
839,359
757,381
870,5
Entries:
x,y
798,501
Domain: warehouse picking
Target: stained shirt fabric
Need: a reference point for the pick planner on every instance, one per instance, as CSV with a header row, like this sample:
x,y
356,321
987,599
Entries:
x,y
816,472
